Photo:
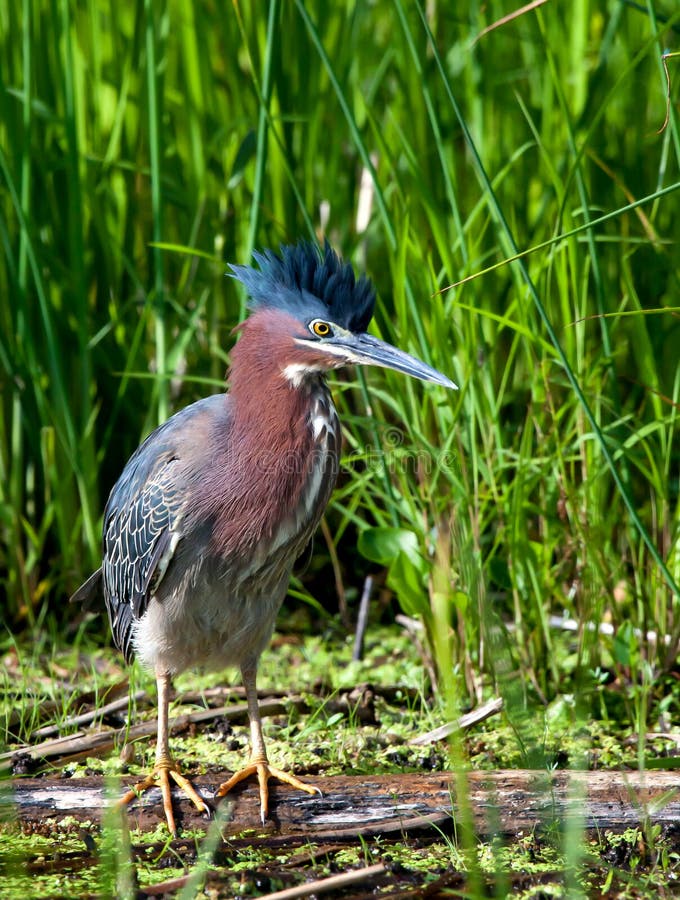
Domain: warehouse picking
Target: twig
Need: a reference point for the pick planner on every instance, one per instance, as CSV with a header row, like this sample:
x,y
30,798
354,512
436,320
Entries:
x,y
89,716
337,573
505,19
320,886
334,882
664,57
415,628
166,887
103,741
466,721
66,749
362,619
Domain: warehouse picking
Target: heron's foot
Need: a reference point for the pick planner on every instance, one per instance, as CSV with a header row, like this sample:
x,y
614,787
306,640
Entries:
x,y
165,769
264,772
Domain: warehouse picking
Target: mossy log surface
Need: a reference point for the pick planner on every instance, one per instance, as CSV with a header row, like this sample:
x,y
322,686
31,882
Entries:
x,y
508,802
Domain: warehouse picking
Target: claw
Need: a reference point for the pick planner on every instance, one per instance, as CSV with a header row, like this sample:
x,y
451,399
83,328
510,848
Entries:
x,y
264,772
165,769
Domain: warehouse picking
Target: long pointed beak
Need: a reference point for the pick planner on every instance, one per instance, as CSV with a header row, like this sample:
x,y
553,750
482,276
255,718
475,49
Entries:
x,y
366,350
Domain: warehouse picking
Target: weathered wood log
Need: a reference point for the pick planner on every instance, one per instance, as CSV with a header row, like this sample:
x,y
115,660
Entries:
x,y
504,802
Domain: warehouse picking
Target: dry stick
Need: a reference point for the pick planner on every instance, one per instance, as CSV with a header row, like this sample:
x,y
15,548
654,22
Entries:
x,y
334,882
505,19
303,890
220,693
90,715
397,825
102,741
76,745
414,628
490,708
166,887
66,749
337,574
390,693
362,619
81,700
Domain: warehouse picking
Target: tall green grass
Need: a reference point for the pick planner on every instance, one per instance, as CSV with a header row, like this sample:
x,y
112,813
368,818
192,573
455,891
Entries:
x,y
144,146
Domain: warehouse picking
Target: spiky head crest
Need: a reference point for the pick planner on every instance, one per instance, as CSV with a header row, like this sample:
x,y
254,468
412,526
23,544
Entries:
x,y
308,282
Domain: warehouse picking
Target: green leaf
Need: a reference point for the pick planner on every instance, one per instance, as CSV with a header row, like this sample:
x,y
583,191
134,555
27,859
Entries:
x,y
623,644
244,154
405,578
382,545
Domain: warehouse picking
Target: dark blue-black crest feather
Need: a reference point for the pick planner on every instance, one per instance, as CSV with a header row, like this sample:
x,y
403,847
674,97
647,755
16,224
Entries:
x,y
309,283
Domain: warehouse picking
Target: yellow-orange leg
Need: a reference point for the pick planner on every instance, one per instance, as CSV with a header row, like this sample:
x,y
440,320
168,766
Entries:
x,y
259,765
165,767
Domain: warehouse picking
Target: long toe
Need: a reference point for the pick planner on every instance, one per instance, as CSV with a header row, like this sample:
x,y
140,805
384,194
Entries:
x,y
191,792
226,786
264,772
137,790
163,771
164,780
294,781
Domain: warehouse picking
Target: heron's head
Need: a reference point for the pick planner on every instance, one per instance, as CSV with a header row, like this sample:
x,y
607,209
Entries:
x,y
321,310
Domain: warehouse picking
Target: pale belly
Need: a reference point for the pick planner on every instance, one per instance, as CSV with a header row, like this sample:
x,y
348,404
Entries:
x,y
204,624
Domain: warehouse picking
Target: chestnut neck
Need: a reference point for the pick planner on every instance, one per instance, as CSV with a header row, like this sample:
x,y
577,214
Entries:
x,y
270,449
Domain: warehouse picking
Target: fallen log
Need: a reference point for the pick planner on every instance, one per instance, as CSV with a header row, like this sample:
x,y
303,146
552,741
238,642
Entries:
x,y
502,802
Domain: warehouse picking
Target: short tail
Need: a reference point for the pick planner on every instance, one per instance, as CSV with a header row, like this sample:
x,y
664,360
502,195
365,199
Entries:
x,y
90,593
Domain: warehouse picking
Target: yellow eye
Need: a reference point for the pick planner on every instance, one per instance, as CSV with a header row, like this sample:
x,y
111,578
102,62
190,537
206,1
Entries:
x,y
321,329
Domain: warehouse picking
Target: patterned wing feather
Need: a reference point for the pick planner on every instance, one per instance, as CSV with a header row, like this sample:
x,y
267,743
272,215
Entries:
x,y
141,531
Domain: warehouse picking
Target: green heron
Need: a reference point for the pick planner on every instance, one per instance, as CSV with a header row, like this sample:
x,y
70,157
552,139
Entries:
x,y
203,527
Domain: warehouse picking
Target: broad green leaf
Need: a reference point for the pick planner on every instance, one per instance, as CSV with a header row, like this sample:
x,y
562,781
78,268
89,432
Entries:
x,y
382,545
405,578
